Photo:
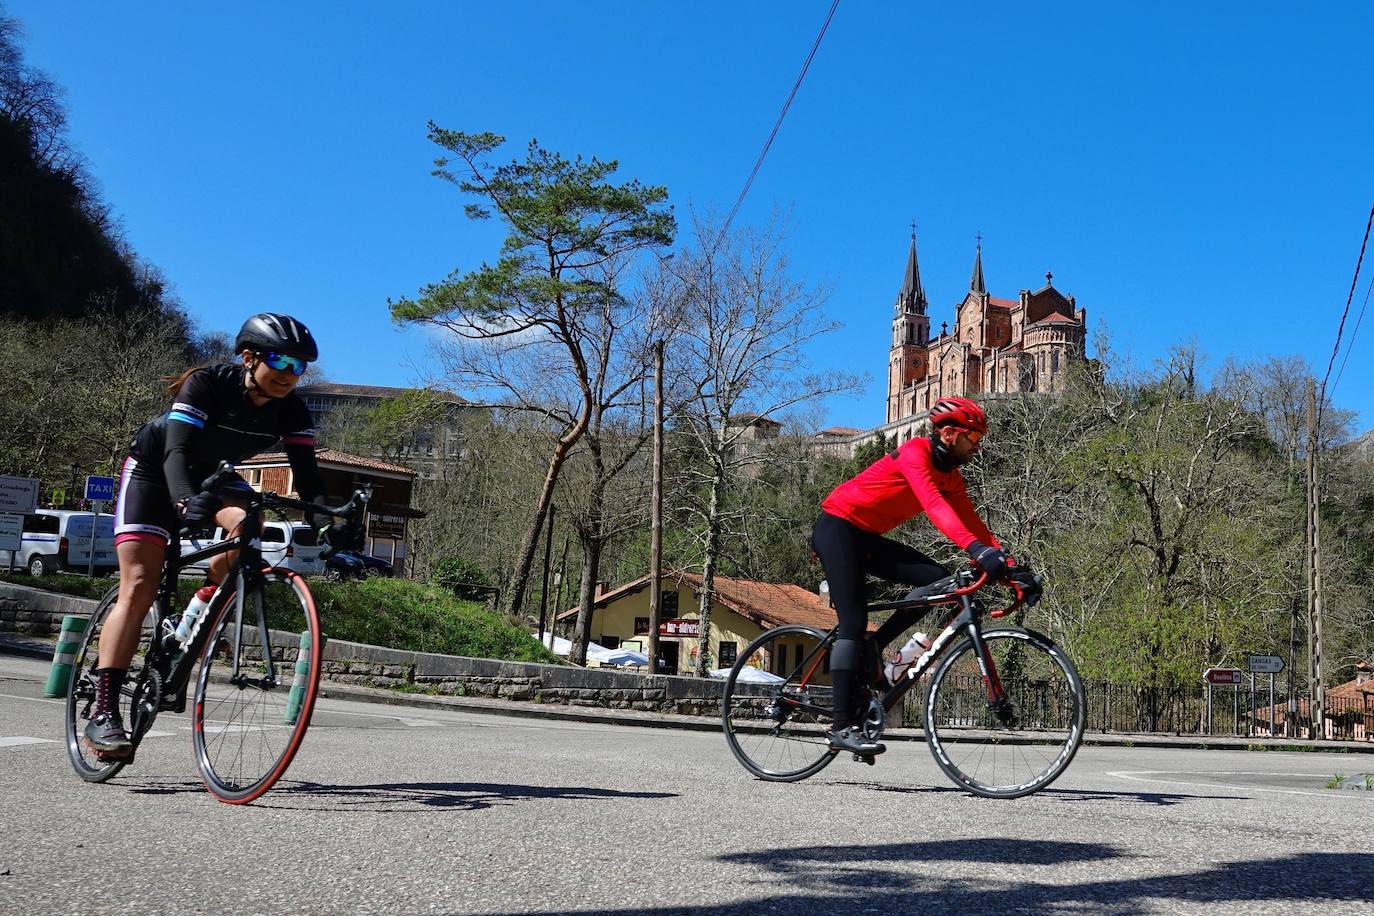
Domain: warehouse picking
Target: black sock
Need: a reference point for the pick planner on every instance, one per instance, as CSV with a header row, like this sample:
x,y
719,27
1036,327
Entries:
x,y
108,683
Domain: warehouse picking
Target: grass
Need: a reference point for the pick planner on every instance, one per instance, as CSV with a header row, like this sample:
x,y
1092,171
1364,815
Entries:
x,y
393,613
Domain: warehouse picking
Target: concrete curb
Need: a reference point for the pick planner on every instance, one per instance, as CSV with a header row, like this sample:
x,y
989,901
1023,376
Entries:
x,y
33,647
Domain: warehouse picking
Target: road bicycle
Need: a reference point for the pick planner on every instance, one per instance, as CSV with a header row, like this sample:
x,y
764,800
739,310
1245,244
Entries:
x,y
1003,708
250,715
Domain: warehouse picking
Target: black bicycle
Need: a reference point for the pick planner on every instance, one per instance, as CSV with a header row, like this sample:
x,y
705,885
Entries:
x,y
258,651
1004,709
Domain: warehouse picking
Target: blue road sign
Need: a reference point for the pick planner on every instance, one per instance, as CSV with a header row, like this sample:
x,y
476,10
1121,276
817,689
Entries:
x,y
101,488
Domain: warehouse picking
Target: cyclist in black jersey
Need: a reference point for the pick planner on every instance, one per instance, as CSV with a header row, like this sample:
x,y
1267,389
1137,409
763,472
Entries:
x,y
219,413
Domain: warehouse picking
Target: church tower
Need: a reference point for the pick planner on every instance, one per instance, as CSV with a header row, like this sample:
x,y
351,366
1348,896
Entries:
x,y
910,335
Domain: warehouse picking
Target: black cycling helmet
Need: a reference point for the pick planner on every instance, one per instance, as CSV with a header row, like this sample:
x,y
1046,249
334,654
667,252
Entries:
x,y
269,332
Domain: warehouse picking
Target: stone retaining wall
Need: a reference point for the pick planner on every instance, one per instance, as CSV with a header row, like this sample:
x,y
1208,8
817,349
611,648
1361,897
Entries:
x,y
40,613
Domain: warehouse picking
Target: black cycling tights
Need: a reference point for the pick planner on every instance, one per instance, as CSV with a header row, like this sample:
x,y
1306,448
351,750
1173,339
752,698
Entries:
x,y
849,554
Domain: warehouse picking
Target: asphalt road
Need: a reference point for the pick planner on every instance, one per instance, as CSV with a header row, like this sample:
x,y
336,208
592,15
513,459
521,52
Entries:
x,y
395,810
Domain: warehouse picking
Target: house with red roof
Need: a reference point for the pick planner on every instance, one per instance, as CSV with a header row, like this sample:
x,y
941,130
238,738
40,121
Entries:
x,y
741,610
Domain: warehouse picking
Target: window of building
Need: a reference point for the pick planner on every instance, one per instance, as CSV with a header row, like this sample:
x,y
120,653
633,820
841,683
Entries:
x,y
669,608
727,653
610,642
1054,362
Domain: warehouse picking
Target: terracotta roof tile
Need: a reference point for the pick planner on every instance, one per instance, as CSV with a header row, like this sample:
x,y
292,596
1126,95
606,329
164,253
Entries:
x,y
333,456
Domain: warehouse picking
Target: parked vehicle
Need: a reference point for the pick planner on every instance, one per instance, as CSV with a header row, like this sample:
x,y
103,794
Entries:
x,y
56,540
292,545
350,564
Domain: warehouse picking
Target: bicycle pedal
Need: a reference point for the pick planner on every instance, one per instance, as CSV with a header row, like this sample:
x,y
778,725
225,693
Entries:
x,y
865,758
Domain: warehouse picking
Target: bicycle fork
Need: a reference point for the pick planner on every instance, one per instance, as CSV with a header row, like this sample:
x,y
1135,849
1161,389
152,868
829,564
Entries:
x,y
997,696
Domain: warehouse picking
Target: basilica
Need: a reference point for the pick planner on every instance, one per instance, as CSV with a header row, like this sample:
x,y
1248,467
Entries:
x,y
997,346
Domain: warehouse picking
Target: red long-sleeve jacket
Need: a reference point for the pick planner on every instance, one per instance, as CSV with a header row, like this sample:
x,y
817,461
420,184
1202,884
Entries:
x,y
900,486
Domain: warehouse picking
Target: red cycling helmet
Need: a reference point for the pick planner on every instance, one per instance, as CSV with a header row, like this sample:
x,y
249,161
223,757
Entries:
x,y
960,412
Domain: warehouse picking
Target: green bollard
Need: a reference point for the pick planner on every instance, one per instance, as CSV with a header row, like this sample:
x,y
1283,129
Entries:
x,y
297,695
60,674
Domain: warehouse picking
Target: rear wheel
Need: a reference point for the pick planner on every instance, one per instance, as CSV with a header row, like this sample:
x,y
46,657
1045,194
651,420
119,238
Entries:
x,y
81,692
776,705
254,699
1021,746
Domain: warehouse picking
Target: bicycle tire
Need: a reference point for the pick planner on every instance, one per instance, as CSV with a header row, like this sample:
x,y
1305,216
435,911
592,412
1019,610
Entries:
x,y
794,745
81,695
244,736
972,744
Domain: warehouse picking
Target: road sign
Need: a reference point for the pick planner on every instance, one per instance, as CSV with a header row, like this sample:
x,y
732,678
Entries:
x,y
11,530
1265,664
101,488
1226,676
18,494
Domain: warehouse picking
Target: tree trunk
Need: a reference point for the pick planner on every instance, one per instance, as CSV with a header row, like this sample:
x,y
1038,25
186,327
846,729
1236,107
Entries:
x,y
708,571
591,570
520,580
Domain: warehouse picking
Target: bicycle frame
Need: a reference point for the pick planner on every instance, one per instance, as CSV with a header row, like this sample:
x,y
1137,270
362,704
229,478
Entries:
x,y
966,622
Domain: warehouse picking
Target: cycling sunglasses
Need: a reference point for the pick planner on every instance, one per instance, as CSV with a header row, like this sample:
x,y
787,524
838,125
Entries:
x,y
974,436
281,363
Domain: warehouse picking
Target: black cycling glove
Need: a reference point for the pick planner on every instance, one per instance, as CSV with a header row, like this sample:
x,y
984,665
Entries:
x,y
993,560
198,511
1031,585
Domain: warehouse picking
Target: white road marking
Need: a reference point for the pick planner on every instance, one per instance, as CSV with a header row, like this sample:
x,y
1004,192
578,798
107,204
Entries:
x,y
18,740
420,723
11,696
1146,776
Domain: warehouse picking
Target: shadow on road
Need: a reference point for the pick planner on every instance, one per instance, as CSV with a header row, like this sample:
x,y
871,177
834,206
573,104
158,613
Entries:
x,y
401,796
830,879
1162,799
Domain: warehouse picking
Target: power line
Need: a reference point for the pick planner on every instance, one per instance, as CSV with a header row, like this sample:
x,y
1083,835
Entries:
x,y
1355,331
1354,283
777,124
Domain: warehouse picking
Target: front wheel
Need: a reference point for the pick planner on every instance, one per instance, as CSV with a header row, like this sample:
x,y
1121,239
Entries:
x,y
256,693
777,706
1021,745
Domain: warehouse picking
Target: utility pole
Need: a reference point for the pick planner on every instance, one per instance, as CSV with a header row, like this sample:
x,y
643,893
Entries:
x,y
1315,681
656,514
1290,728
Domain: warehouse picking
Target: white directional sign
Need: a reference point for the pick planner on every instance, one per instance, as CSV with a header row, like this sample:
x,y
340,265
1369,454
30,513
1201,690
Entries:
x,y
11,531
1265,664
18,494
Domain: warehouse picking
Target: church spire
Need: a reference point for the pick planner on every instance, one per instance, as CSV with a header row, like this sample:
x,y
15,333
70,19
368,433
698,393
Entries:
x,y
976,283
912,298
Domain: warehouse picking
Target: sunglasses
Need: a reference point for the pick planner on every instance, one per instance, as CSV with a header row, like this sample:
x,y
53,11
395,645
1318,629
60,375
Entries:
x,y
282,363
974,437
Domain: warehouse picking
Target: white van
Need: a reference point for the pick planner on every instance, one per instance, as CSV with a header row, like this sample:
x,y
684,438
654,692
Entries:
x,y
293,545
57,540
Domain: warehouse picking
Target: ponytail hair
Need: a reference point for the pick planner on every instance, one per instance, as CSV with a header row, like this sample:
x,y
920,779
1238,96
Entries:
x,y
174,382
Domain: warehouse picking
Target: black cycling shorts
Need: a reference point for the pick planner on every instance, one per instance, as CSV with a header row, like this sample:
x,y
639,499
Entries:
x,y
143,506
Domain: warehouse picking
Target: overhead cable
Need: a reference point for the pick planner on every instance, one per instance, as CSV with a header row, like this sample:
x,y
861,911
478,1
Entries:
x,y
777,124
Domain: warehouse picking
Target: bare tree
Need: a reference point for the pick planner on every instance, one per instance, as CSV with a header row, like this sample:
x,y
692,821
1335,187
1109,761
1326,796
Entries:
x,y
745,325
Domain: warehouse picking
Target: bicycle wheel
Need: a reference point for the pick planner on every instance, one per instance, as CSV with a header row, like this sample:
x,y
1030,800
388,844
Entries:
x,y
81,692
775,709
1021,748
254,701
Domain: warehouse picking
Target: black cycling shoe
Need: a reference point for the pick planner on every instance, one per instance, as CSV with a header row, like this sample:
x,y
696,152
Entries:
x,y
107,736
852,740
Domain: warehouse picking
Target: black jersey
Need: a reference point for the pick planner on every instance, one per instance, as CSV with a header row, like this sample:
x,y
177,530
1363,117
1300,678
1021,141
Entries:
x,y
213,420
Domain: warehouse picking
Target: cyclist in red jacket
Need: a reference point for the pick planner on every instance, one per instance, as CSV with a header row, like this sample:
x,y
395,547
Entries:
x,y
921,476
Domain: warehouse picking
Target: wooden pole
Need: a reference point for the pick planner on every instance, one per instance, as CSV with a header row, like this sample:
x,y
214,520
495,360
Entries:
x,y
1315,681
656,516
544,592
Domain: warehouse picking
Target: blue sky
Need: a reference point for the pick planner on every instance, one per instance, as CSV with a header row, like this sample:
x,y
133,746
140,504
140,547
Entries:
x,y
1190,172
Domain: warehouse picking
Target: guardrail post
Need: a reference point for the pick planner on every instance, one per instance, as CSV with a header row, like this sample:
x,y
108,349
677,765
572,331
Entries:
x,y
60,674
295,699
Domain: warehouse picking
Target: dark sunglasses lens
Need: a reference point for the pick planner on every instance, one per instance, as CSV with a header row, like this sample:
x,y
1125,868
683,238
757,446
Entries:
x,y
281,363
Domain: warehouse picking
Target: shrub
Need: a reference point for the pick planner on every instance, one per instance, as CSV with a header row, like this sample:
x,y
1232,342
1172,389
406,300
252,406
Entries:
x,y
462,577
